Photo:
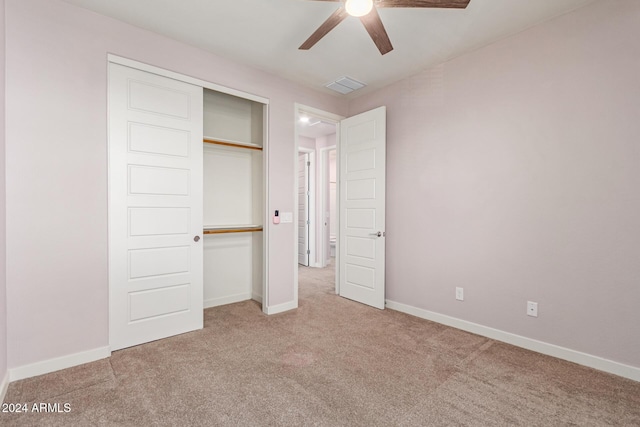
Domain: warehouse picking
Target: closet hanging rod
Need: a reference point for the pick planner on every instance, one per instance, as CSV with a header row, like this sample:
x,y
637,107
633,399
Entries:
x,y
232,230
231,144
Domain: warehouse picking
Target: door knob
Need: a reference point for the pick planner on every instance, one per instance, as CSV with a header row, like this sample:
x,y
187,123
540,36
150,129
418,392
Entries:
x,y
378,234
196,239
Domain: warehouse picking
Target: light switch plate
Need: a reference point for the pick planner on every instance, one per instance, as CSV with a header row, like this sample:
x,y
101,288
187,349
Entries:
x,y
286,217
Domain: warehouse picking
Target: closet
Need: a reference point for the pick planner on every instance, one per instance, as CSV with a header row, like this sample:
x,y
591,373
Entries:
x,y
186,200
233,197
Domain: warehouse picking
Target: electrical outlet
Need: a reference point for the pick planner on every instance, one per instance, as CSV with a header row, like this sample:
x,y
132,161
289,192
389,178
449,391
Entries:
x,y
460,294
532,309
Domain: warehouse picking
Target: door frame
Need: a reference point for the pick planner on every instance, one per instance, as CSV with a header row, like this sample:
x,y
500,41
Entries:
x,y
311,240
323,208
300,109
115,59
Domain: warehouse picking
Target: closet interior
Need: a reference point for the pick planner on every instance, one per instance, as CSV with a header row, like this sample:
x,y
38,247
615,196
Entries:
x,y
234,202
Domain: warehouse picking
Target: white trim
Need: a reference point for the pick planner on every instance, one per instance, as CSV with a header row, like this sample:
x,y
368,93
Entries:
x,y
323,154
311,208
296,148
337,218
183,78
553,350
320,114
266,219
215,302
4,385
256,297
313,219
58,363
291,305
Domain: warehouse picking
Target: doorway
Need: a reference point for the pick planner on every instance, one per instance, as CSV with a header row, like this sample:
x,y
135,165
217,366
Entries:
x,y
316,146
360,182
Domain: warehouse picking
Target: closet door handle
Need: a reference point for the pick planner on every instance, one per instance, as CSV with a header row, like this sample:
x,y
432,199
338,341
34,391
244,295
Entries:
x,y
378,234
196,239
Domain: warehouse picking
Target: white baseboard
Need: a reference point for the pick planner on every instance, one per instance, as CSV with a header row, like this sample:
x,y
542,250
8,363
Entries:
x,y
215,302
4,385
291,305
574,356
64,362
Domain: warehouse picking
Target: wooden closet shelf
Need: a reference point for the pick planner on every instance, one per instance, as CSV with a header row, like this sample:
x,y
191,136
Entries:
x,y
231,144
231,230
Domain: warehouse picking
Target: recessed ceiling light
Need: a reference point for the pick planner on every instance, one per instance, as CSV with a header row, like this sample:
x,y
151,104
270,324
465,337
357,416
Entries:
x,y
304,119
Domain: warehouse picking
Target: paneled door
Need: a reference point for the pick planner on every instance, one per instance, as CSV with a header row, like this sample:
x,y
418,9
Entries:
x,y
303,209
362,207
155,207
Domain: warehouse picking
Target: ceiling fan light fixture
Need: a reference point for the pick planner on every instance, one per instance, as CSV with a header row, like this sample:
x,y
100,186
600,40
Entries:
x,y
358,8
367,11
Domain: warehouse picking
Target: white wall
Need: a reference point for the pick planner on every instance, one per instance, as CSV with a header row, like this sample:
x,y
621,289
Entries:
x,y
3,236
306,142
326,141
56,148
513,172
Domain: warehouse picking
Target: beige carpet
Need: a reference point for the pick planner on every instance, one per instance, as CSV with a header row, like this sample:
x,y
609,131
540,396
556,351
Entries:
x,y
332,362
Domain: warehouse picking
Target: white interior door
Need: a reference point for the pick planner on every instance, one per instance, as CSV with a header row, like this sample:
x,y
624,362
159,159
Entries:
x,y
303,209
362,207
155,207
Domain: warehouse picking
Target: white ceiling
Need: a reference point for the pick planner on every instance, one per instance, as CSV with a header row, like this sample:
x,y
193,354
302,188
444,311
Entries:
x,y
266,33
315,128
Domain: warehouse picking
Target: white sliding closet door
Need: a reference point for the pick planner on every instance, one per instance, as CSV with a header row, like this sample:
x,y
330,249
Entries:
x,y
155,207
362,207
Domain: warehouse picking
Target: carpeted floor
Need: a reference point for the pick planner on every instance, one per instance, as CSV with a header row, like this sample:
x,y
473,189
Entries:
x,y
332,362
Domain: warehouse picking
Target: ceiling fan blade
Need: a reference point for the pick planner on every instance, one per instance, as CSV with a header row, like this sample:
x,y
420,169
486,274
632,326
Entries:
x,y
337,17
451,4
373,24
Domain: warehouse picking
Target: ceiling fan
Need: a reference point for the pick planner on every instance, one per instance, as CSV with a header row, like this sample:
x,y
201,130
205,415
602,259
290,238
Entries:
x,y
367,11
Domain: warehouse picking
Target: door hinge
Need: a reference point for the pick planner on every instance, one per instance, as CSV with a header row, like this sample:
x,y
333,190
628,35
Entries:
x,y
308,163
308,251
308,222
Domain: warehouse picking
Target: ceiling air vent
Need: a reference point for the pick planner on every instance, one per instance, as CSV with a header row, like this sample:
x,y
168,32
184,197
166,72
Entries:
x,y
345,85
